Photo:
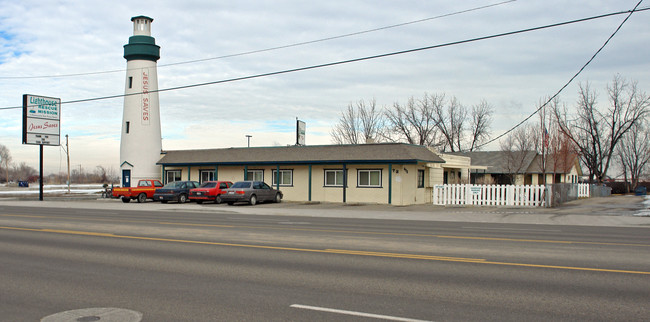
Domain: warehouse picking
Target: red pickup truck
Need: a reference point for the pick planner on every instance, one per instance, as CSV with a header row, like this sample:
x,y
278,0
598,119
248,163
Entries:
x,y
209,191
141,193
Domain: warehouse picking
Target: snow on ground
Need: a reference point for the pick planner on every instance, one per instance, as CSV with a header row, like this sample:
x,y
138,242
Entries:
x,y
52,189
645,212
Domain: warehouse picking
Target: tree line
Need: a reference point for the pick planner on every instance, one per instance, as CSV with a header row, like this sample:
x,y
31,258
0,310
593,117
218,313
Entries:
x,y
614,131
14,172
434,120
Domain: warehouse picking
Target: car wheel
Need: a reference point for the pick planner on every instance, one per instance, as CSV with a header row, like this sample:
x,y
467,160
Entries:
x,y
142,198
253,200
182,198
278,198
198,202
126,200
217,199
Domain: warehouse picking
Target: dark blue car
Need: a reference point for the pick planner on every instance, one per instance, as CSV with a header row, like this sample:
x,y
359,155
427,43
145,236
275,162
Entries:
x,y
175,191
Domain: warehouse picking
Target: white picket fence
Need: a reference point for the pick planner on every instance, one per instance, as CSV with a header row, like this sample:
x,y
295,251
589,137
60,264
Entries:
x,y
583,190
490,195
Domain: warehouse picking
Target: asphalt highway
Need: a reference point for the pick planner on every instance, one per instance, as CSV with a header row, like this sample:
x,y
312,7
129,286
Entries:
x,y
225,266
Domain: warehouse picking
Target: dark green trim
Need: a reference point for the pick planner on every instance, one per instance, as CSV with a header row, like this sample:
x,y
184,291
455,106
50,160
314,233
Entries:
x,y
309,190
345,182
141,48
390,183
277,177
216,172
121,165
189,172
245,173
141,17
163,175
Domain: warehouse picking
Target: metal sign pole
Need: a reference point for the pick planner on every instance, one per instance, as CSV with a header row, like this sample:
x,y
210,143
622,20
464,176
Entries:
x,y
40,183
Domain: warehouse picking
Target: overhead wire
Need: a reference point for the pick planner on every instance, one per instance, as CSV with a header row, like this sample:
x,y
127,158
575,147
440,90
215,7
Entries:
x,y
286,71
273,48
569,81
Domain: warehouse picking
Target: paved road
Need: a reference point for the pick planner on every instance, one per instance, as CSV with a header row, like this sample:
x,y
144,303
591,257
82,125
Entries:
x,y
216,265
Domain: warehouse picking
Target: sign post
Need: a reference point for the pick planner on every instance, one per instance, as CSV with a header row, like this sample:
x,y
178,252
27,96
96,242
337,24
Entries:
x,y
41,125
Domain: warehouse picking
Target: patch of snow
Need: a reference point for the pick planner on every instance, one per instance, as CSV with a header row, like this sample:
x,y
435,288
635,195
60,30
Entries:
x,y
645,212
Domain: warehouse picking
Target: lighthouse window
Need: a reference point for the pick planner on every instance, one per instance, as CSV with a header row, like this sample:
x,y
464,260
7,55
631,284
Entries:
x,y
130,81
127,126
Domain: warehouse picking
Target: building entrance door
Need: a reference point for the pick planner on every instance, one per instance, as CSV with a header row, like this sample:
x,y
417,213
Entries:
x,y
126,178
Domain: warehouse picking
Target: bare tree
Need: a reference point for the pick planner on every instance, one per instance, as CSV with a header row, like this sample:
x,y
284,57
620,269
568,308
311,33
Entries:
x,y
450,121
479,125
595,133
359,124
5,160
432,121
100,174
518,149
23,171
461,129
634,153
414,122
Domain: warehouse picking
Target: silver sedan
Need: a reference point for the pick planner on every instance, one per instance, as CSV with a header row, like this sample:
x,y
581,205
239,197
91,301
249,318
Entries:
x,y
251,192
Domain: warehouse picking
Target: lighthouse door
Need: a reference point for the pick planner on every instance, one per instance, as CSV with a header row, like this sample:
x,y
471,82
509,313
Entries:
x,y
126,178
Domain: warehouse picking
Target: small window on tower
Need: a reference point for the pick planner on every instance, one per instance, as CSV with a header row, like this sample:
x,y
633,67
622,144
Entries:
x,y
127,127
130,81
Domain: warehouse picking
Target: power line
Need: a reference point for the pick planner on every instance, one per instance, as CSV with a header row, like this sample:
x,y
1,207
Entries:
x,y
286,71
272,48
570,80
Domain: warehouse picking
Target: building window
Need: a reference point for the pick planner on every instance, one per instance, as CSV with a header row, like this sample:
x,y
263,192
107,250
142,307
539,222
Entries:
x,y
420,178
206,175
369,178
255,175
172,175
334,178
127,127
130,81
286,177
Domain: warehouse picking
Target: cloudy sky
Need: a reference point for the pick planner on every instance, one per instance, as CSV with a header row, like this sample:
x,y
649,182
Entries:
x,y
42,42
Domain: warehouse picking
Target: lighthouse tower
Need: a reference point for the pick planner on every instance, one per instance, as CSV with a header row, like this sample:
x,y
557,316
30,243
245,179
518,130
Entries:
x,y
141,140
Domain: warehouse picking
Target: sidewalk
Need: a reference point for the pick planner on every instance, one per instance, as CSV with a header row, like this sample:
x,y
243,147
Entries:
x,y
628,211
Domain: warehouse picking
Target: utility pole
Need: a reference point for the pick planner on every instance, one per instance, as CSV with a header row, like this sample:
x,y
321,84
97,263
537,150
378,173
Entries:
x,y
248,136
67,152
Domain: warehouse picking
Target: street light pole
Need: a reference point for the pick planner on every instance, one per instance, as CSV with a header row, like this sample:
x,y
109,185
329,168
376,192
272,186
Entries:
x,y
249,139
67,152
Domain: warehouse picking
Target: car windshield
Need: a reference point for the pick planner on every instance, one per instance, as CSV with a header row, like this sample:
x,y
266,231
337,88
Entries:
x,y
241,184
172,185
208,185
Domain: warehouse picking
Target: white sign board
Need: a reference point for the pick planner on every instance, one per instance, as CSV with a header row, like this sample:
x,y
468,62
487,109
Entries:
x,y
41,120
300,132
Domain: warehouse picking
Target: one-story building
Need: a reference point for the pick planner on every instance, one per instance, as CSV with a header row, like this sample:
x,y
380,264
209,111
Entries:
x,y
385,173
521,168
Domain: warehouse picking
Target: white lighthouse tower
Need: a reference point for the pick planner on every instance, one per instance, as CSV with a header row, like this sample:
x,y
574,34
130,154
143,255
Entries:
x,y
141,140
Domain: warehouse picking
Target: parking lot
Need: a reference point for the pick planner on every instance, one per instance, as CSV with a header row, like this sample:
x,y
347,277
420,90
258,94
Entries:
x,y
607,211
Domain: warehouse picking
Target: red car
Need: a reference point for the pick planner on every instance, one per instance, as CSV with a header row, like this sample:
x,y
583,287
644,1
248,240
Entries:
x,y
209,191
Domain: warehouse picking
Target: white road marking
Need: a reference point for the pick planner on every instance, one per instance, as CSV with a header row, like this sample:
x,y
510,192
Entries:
x,y
354,313
554,230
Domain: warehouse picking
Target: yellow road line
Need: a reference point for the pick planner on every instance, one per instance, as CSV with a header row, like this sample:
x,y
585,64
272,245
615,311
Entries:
x,y
346,231
331,251
122,220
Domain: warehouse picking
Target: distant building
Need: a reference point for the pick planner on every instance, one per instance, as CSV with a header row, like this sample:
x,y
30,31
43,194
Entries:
x,y
522,168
